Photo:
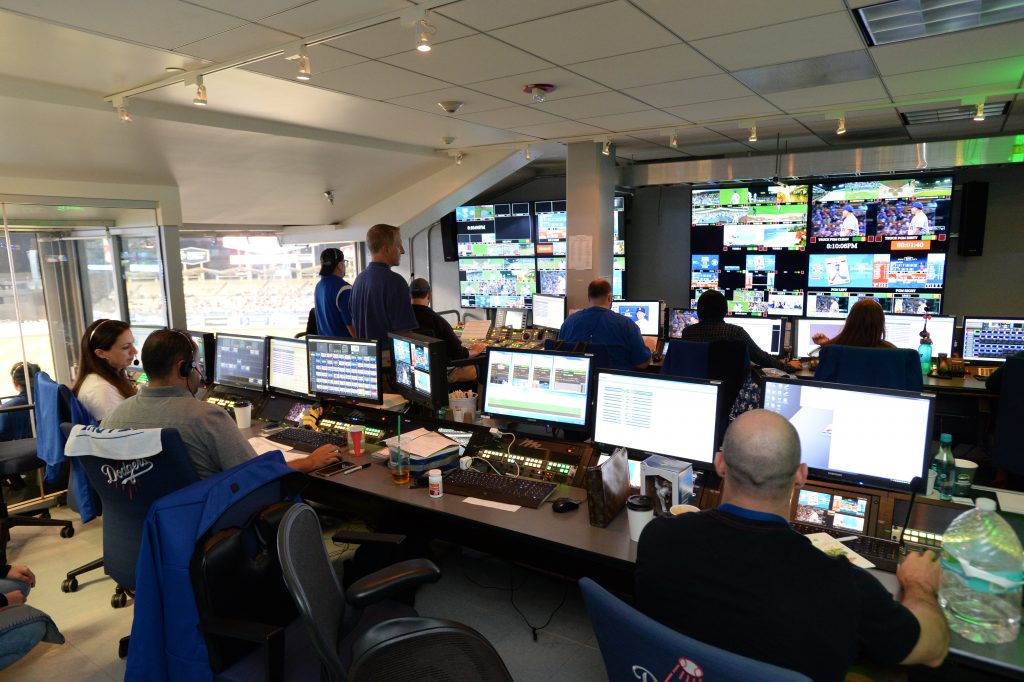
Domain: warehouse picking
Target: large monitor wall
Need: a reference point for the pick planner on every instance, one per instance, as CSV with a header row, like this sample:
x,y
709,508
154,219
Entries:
x,y
508,252
817,249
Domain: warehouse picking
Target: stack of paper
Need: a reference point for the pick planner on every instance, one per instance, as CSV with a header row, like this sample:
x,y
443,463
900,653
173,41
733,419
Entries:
x,y
422,443
831,546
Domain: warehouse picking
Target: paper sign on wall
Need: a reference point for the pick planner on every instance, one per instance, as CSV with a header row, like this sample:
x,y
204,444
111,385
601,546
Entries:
x,y
581,252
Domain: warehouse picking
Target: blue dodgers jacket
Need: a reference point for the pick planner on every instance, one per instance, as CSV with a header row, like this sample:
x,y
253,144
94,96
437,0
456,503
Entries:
x,y
50,441
166,645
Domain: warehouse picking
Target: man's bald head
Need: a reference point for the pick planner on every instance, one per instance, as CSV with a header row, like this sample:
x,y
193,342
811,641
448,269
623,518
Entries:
x,y
762,454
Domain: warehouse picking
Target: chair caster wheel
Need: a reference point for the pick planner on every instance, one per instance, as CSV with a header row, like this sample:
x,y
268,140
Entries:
x,y
118,601
122,648
69,585
67,531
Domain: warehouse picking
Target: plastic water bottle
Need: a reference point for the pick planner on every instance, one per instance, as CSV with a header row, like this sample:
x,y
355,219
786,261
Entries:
x,y
945,467
924,352
982,574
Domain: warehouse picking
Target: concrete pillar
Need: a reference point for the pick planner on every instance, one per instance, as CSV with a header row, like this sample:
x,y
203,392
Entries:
x,y
590,196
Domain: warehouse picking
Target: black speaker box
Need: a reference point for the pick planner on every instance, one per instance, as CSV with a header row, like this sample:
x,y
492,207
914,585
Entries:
x,y
449,238
973,208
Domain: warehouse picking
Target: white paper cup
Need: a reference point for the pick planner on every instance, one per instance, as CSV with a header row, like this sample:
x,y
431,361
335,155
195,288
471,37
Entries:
x,y
243,415
639,512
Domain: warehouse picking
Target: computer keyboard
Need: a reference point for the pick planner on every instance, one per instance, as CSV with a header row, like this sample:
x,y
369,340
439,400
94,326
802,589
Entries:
x,y
521,491
885,554
307,440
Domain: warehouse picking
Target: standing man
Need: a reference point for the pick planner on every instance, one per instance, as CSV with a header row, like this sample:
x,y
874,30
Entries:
x,y
918,219
850,226
598,324
755,575
331,297
380,298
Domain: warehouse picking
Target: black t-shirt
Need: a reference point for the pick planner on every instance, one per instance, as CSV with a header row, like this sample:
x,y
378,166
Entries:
x,y
762,590
433,325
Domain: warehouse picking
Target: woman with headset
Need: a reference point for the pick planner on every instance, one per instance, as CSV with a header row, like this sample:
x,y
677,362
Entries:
x,y
108,347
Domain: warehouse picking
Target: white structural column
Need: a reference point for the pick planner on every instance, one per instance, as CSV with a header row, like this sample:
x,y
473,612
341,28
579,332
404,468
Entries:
x,y
590,194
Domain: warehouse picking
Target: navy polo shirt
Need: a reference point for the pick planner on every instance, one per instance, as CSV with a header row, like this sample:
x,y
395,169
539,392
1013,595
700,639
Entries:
x,y
381,303
15,425
331,301
617,333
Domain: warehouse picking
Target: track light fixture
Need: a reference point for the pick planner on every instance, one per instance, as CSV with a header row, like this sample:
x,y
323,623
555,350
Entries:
x,y
607,148
841,126
979,111
527,154
200,98
121,107
753,134
458,158
673,141
299,53
424,30
123,114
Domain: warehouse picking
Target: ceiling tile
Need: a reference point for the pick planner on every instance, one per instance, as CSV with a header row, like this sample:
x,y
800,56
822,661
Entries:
x,y
690,91
237,41
392,37
321,59
809,73
649,118
724,109
322,15
473,102
1000,73
660,65
824,96
150,22
981,44
600,104
553,131
591,33
827,34
702,18
566,85
485,15
249,9
512,117
469,59
376,81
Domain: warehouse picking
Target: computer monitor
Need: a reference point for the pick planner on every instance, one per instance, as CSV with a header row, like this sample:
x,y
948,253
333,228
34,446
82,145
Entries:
x,y
655,414
344,369
510,318
679,319
992,339
241,361
646,314
872,437
766,332
903,331
288,366
140,334
548,311
421,369
206,345
549,387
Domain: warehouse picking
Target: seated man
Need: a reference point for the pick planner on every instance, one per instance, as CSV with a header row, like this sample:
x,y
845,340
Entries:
x,y
598,324
738,577
212,439
433,325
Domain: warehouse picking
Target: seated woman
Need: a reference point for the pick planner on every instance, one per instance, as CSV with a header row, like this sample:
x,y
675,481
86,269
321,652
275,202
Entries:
x,y
108,347
864,328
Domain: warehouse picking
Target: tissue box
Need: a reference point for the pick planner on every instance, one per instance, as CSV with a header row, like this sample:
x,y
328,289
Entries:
x,y
667,481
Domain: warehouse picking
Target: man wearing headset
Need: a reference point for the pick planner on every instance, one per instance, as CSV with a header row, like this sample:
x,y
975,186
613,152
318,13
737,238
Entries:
x,y
213,441
331,297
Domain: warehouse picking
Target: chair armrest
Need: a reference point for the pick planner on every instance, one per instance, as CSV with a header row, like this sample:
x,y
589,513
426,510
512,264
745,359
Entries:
x,y
464,362
362,537
270,637
390,581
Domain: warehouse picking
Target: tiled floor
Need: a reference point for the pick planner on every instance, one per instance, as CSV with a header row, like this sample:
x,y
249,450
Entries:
x,y
474,590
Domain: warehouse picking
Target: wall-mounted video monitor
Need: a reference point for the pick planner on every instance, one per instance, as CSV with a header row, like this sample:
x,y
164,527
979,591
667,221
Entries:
x,y
497,282
551,276
494,230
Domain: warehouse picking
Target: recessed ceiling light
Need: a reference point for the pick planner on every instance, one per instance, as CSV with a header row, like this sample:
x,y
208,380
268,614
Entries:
x,y
899,20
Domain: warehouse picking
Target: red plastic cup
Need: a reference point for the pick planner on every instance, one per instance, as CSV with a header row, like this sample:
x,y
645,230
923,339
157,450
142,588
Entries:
x,y
355,434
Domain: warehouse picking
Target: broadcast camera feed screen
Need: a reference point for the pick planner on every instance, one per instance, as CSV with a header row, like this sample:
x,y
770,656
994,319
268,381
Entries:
x,y
837,303
841,511
903,331
646,315
618,268
240,361
497,282
537,386
288,368
416,360
679,319
749,243
988,339
345,368
551,275
877,270
498,230
881,211
641,412
861,436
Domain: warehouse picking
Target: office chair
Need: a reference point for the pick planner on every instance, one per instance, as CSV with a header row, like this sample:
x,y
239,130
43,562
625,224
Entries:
x,y
602,360
724,360
1009,381
632,643
126,501
898,368
359,635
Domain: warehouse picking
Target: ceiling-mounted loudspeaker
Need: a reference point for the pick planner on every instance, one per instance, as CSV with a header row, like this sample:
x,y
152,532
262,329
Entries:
x,y
973,211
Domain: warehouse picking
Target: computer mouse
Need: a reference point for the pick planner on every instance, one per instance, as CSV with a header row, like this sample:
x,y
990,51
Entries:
x,y
564,504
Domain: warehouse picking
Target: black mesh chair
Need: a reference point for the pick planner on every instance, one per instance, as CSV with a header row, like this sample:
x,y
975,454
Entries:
x,y
360,635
